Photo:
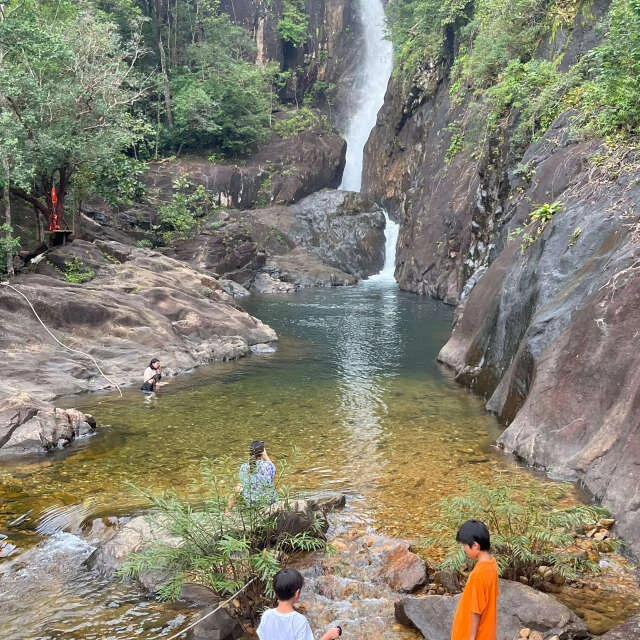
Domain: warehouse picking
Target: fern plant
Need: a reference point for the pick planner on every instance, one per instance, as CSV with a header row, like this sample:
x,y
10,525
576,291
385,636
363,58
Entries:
x,y
221,547
528,528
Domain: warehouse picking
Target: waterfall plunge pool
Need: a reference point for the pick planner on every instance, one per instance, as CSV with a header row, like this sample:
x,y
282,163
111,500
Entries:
x,y
353,384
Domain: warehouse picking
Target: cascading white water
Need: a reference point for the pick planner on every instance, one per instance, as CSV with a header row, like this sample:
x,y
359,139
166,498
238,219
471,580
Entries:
x,y
391,238
368,93
366,100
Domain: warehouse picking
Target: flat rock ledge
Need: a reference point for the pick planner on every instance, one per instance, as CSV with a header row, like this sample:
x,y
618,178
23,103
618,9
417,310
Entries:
x,y
30,426
137,304
519,607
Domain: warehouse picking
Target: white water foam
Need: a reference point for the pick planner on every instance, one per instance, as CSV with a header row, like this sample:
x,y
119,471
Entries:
x,y
369,90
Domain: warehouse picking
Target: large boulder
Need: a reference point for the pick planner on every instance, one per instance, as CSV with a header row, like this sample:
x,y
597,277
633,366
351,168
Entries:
x,y
282,171
519,607
216,624
326,239
28,425
133,537
139,304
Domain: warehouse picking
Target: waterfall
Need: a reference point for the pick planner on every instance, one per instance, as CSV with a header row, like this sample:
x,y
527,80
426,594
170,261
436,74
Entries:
x,y
368,92
391,237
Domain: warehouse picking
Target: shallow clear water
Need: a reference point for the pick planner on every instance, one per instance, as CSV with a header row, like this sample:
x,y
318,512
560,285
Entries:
x,y
353,385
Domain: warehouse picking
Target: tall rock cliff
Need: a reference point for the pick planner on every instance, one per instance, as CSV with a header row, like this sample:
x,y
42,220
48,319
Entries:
x,y
541,252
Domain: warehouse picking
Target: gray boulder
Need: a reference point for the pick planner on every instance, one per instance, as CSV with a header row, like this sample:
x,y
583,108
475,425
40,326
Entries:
x,y
342,229
519,607
28,425
216,626
139,304
134,536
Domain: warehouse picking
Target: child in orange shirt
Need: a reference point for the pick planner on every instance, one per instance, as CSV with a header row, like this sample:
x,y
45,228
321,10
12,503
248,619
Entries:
x,y
475,617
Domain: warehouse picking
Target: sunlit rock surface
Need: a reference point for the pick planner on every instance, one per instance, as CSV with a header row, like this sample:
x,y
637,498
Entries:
x,y
140,304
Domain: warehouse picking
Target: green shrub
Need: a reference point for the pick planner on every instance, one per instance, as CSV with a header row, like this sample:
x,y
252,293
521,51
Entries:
x,y
222,548
179,216
76,272
300,120
293,23
612,94
528,528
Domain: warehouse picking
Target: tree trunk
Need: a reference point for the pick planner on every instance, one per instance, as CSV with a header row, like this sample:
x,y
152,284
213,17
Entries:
x,y
165,84
6,201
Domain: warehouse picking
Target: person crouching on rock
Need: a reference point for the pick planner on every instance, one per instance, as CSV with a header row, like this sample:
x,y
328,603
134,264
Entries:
x,y
152,375
256,478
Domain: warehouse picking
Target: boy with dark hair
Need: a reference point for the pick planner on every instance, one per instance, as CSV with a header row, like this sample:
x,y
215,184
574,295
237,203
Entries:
x,y
284,622
475,617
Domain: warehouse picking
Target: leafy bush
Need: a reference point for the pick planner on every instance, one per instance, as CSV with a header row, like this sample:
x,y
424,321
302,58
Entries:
x,y
300,120
76,272
120,181
293,23
612,96
528,528
188,203
223,548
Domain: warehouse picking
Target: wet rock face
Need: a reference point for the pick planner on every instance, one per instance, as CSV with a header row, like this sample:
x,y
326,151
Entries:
x,y
327,239
630,630
519,607
140,304
547,334
342,230
281,172
28,425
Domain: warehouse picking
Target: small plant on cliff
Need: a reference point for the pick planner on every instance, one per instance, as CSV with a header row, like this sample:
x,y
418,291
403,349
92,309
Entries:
x,y
538,220
77,272
222,547
528,528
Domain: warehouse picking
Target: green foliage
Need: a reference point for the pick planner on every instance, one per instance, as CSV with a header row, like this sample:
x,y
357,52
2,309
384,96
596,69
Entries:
x,y
188,203
9,245
66,75
302,119
528,528
77,272
293,23
223,548
538,220
120,181
612,95
575,234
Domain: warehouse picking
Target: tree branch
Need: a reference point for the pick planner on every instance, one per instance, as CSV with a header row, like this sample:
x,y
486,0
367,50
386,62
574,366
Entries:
x,y
21,193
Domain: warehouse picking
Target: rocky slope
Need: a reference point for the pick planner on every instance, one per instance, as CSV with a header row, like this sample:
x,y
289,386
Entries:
x,y
140,304
329,238
548,316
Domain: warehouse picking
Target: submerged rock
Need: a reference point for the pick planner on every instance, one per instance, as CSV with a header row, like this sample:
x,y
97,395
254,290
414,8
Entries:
x,y
519,607
629,630
28,425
